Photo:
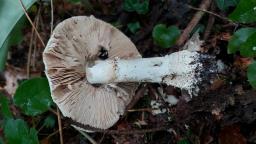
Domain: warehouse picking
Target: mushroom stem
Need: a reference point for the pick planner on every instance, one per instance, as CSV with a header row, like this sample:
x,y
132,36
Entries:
x,y
179,69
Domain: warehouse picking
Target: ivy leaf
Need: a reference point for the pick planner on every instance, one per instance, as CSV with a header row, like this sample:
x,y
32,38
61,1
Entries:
x,y
17,132
248,48
239,37
4,106
165,37
133,27
245,12
251,74
33,96
137,6
225,4
49,122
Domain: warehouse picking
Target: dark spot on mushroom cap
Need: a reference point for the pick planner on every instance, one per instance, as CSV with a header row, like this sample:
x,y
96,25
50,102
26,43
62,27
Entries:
x,y
103,53
96,85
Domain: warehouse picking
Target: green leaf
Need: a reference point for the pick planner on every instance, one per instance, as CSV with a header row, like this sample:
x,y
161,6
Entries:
x,y
33,96
73,1
17,132
10,13
133,27
137,6
165,37
198,29
248,48
49,122
4,106
239,37
225,4
87,5
15,37
183,141
220,4
1,141
251,74
245,12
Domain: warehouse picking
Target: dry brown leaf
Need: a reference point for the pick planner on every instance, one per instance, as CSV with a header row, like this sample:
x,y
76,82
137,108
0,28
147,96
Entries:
x,y
231,135
225,36
242,63
45,141
12,76
217,83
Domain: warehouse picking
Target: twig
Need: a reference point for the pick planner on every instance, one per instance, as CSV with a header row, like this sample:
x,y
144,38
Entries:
x,y
29,19
60,126
31,42
102,138
34,56
40,128
141,110
210,23
54,133
211,13
29,53
42,25
88,137
185,35
137,97
137,131
51,16
53,111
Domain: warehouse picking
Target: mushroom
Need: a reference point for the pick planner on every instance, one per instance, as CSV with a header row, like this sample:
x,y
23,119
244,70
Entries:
x,y
93,70
75,44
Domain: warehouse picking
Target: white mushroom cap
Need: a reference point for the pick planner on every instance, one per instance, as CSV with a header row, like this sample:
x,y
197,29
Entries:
x,y
74,44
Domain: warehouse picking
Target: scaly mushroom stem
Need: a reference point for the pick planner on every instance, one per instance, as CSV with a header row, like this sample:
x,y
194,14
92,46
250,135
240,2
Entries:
x,y
180,69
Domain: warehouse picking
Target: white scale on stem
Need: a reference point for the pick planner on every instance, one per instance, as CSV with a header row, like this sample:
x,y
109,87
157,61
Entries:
x,y
180,69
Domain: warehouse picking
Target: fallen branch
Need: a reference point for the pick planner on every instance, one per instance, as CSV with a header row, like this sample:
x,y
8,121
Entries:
x,y
60,126
32,24
211,13
197,17
137,97
36,22
90,139
210,23
52,16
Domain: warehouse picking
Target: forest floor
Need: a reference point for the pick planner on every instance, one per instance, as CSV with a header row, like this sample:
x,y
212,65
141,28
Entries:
x,y
223,112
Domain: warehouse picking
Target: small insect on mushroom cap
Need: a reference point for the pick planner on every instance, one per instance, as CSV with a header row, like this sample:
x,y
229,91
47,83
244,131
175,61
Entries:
x,y
76,43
